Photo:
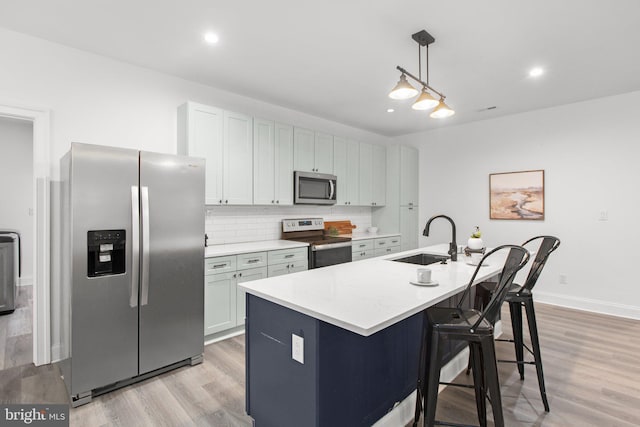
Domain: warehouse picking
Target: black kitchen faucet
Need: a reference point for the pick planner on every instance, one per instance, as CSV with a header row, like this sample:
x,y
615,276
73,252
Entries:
x,y
453,246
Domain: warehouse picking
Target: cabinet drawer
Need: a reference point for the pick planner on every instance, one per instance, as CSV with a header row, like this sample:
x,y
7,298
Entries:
x,y
383,242
252,260
217,265
387,250
357,256
287,255
362,245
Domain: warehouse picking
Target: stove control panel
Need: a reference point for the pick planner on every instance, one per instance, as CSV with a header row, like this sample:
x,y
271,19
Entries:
x,y
302,224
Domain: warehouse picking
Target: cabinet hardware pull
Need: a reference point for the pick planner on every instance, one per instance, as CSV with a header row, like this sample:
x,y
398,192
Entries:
x,y
289,256
273,201
239,274
277,201
226,201
252,261
362,246
235,275
220,201
219,265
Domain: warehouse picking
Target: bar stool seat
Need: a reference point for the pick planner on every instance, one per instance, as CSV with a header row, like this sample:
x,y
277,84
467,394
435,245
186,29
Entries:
x,y
442,324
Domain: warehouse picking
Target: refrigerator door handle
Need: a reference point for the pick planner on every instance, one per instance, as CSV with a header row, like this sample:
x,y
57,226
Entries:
x,y
135,246
145,246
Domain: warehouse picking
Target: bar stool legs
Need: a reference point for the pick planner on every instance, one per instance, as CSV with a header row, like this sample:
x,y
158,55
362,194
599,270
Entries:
x,y
515,308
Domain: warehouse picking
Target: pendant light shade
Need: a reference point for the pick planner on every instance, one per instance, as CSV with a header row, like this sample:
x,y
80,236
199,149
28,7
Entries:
x,y
425,101
442,111
403,89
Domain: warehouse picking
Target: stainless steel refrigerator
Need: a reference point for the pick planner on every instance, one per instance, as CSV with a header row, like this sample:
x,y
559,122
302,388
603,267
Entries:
x,y
132,230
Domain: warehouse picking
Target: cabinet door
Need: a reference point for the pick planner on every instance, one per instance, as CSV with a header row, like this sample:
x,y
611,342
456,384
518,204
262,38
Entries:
x,y
379,179
408,176
219,302
303,150
366,174
284,164
238,159
278,269
264,162
409,227
246,276
340,169
353,172
323,152
296,266
203,138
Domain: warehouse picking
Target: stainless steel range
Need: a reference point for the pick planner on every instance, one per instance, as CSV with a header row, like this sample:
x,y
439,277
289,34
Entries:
x,y
324,250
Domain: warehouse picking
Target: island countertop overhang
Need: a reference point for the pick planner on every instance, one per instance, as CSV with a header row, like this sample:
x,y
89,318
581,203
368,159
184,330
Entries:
x,y
367,296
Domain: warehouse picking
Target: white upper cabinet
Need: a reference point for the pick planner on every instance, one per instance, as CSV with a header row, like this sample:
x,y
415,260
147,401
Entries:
x,y
272,163
408,176
379,175
238,159
323,152
313,151
373,174
225,140
284,164
346,161
304,150
200,134
366,174
264,162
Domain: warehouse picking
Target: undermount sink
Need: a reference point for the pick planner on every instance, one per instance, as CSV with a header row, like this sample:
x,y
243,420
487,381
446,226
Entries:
x,y
422,259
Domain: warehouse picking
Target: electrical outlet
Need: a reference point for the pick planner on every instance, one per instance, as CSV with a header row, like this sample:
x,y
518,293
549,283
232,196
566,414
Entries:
x,y
563,279
604,216
297,348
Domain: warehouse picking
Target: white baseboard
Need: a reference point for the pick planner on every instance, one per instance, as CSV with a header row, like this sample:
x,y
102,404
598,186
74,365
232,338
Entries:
x,y
223,337
56,353
25,281
587,304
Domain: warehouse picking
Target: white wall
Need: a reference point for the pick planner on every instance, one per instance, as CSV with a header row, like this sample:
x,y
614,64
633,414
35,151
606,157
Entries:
x,y
97,100
590,153
16,186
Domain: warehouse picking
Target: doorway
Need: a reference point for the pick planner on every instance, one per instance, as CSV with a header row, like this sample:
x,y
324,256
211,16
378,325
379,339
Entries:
x,y
40,295
17,236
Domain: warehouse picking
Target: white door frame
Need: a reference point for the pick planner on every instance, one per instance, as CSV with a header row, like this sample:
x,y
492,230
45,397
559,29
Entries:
x,y
41,223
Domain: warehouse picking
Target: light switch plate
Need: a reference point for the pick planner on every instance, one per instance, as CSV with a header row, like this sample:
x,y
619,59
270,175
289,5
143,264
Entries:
x,y
297,348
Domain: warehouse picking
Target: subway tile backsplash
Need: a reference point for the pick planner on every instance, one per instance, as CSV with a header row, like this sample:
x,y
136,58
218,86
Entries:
x,y
235,224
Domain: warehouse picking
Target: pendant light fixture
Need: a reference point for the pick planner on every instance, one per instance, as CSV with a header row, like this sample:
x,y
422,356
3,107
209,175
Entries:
x,y
404,90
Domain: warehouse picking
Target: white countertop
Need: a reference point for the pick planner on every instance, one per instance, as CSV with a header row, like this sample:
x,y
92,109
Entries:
x,y
247,247
369,295
363,236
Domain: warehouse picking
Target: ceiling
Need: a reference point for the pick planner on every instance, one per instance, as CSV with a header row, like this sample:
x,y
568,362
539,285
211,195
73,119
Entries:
x,y
336,59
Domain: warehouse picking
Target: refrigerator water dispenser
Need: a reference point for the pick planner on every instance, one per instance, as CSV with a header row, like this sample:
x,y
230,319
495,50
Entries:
x,y
105,252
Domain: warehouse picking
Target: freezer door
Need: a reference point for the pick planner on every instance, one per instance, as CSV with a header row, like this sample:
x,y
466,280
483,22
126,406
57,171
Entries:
x,y
104,312
172,267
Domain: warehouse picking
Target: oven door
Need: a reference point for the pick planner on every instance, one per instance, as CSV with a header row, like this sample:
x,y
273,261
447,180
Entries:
x,y
314,188
325,255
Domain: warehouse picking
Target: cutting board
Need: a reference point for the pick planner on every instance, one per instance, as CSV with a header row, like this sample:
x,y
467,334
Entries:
x,y
344,227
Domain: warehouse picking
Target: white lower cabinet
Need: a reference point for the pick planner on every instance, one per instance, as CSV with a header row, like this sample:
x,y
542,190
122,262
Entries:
x,y
219,302
286,261
369,248
246,276
224,302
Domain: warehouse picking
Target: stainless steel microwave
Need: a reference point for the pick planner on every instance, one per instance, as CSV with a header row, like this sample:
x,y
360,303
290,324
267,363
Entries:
x,y
312,188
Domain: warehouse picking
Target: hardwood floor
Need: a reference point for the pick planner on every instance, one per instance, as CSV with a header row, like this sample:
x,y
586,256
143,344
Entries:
x,y
591,362
16,343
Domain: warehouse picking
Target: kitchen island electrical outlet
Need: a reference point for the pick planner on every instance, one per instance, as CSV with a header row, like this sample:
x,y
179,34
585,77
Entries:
x,y
297,348
563,279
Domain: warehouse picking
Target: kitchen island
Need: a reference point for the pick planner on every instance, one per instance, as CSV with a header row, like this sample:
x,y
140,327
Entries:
x,y
339,346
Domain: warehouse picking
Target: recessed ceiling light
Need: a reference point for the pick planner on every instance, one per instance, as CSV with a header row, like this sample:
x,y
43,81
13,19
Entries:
x,y
536,72
211,38
390,110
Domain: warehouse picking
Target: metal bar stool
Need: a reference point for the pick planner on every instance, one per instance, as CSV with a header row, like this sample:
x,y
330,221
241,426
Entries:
x,y
476,328
521,296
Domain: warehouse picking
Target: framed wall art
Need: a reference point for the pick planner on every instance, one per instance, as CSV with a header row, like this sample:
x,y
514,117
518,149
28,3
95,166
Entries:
x,y
517,195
